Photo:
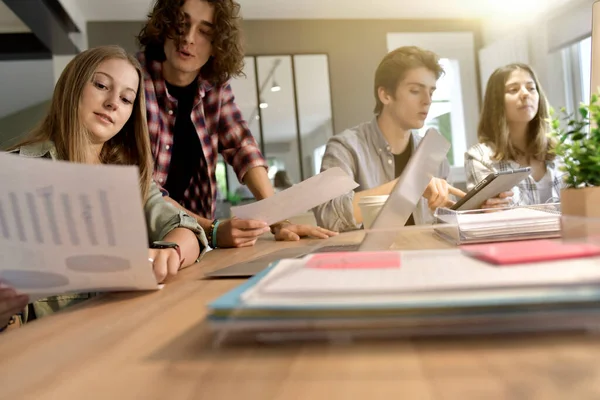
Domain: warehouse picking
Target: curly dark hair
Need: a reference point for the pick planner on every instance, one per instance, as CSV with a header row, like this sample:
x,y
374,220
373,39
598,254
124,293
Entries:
x,y
167,20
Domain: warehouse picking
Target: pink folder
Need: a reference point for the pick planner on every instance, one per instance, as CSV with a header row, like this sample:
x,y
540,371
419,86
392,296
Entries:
x,y
530,251
355,260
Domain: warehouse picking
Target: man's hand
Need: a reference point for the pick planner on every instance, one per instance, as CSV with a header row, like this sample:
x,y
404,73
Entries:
x,y
438,193
240,232
503,200
292,232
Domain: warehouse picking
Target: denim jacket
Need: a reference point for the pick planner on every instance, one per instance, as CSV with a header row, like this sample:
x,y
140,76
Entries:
x,y
161,218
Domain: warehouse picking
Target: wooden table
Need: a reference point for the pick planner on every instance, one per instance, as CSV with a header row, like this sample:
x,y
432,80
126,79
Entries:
x,y
156,345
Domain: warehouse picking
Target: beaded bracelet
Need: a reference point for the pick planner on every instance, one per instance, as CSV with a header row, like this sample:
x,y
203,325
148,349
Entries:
x,y
215,225
209,233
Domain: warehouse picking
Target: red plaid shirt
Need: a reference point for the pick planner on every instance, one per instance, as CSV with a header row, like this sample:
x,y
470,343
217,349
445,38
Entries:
x,y
220,127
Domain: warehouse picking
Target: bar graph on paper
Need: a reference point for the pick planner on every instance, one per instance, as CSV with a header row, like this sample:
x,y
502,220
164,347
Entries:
x,y
46,217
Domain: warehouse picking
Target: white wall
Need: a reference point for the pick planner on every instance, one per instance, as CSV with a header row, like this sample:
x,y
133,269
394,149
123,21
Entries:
x,y
58,65
544,36
79,39
569,24
24,83
510,49
72,7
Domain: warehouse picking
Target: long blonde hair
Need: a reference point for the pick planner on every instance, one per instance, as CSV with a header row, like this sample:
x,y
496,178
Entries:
x,y
493,126
131,146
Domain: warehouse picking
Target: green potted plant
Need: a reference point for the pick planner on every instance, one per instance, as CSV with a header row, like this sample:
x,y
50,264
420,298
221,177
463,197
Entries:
x,y
234,199
578,146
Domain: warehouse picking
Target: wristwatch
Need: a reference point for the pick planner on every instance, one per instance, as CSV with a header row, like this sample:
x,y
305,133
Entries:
x,y
161,244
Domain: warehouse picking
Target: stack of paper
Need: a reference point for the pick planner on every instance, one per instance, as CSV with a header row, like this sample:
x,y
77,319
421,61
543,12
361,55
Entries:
x,y
413,291
512,224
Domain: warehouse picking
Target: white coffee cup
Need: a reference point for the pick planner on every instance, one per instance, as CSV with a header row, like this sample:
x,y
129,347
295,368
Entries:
x,y
370,207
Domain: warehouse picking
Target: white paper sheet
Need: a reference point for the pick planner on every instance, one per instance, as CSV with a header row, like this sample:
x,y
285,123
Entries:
x,y
517,221
71,228
421,271
406,194
299,198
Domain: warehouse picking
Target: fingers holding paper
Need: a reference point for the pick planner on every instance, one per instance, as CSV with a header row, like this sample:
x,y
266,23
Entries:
x,y
237,232
438,193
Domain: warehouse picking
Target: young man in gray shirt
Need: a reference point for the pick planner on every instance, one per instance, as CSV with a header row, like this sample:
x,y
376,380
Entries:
x,y
375,153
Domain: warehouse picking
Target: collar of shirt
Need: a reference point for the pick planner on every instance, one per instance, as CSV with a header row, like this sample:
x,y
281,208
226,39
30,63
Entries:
x,y
39,149
155,69
379,141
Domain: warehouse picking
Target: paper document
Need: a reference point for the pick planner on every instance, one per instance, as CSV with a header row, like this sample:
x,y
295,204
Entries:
x,y
299,198
71,228
510,222
419,271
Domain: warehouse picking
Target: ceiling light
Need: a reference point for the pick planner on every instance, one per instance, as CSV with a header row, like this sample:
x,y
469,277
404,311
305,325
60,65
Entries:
x,y
275,87
263,104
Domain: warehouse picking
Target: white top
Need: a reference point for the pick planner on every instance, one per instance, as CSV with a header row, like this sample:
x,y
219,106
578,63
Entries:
x,y
544,187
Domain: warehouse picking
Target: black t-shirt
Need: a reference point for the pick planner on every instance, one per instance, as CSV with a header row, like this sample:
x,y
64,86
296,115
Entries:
x,y
186,152
400,161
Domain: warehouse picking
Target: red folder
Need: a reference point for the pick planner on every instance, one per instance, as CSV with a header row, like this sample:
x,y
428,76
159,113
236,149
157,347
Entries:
x,y
530,251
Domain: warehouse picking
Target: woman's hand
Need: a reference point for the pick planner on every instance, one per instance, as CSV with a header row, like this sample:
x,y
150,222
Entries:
x,y
10,303
503,200
165,263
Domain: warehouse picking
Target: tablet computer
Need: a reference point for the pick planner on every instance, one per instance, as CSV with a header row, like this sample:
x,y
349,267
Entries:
x,y
493,184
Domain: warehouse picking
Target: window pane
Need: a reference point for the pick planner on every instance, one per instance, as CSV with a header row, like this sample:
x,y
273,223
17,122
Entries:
x,y
278,113
585,59
314,107
221,175
244,90
446,111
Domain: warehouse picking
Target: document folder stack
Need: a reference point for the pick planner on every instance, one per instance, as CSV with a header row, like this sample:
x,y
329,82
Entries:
x,y
506,224
409,293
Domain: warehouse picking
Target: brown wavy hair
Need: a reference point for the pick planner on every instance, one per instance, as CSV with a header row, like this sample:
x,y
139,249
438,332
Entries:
x,y
131,146
493,126
167,21
393,67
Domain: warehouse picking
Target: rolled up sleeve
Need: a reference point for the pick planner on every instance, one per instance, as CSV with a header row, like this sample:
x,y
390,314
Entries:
x,y
338,214
162,217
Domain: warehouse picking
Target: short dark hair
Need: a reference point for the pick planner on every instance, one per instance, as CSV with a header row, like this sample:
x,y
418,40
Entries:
x,y
393,67
166,20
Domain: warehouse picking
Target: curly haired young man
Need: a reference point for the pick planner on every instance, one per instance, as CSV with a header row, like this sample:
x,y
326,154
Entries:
x,y
190,50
